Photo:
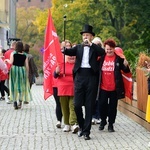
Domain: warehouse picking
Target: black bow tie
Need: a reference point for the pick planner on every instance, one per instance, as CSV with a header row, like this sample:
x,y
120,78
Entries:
x,y
86,45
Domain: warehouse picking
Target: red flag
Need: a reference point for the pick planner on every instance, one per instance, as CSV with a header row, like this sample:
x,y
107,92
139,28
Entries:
x,y
51,56
127,79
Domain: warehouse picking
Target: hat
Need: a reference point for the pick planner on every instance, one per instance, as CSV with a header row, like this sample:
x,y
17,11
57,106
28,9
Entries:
x,y
87,29
119,52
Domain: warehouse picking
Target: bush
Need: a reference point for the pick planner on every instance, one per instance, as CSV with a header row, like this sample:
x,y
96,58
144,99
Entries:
x,y
132,59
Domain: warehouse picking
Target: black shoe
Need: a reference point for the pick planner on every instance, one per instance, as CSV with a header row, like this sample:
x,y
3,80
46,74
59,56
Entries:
x,y
25,102
111,128
102,125
15,105
87,137
2,98
20,104
80,133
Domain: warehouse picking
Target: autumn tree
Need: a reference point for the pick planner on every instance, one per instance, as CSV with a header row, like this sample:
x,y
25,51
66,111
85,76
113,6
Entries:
x,y
27,31
126,21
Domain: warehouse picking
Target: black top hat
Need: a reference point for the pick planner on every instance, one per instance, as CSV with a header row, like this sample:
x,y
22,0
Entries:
x,y
87,29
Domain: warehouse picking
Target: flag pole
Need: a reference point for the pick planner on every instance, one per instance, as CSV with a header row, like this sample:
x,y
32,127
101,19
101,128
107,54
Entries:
x,y
64,39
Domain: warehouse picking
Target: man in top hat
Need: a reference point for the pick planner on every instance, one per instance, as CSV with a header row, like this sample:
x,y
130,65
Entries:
x,y
86,70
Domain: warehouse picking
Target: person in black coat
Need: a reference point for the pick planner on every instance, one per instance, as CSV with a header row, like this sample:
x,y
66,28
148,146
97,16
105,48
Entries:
x,y
111,84
86,72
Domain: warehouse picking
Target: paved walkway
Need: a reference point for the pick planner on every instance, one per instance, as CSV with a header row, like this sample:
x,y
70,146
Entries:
x,y
33,128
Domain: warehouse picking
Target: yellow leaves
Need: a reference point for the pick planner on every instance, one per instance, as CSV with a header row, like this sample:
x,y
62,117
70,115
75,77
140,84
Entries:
x,y
25,27
41,20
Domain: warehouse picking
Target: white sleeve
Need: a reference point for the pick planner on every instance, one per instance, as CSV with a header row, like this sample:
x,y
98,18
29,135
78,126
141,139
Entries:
x,y
3,66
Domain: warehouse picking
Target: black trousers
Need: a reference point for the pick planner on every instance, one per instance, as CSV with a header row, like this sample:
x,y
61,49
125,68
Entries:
x,y
58,106
96,114
86,85
108,105
3,88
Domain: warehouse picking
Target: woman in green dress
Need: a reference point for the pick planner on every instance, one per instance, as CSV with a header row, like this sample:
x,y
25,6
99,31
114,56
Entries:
x,y
18,77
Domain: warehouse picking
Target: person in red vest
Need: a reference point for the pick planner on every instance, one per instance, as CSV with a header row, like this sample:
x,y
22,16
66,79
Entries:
x,y
58,110
65,87
7,56
3,77
3,66
8,52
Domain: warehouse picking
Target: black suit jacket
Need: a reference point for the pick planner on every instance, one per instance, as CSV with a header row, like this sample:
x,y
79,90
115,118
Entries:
x,y
94,52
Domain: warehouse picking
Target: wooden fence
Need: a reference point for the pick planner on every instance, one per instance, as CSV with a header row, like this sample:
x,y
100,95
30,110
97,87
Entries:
x,y
142,89
136,107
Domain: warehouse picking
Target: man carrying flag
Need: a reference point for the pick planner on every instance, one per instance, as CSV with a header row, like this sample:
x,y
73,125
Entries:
x,y
51,56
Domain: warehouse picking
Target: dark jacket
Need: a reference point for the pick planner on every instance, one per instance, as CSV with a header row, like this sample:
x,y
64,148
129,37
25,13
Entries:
x,y
33,70
119,66
94,52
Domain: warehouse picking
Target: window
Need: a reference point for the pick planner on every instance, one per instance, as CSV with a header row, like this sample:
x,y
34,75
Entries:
x,y
42,0
29,0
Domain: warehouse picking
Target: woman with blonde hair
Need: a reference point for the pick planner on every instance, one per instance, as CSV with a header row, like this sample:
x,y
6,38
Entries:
x,y
96,114
65,87
98,41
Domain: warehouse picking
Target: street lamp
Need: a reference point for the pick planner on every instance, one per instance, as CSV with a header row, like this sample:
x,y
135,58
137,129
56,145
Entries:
x,y
64,40
65,27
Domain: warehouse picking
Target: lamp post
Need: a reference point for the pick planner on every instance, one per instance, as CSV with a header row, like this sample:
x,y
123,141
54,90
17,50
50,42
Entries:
x,y
65,27
64,40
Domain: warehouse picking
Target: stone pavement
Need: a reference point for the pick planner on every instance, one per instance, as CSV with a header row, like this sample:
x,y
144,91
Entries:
x,y
33,128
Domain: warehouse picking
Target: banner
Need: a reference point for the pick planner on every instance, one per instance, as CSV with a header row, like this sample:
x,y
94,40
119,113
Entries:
x,y
51,56
127,77
128,84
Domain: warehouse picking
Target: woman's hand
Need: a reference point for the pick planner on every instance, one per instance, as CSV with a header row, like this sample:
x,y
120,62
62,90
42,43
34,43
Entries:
x,y
7,61
58,70
125,62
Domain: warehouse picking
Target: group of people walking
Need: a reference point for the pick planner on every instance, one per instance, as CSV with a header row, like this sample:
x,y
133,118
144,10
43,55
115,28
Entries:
x,y
92,79
20,72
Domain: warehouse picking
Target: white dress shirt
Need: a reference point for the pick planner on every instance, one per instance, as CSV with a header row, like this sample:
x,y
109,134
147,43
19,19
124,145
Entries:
x,y
85,58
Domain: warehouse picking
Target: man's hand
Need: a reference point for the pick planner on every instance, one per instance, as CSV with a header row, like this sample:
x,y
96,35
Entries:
x,y
87,42
63,44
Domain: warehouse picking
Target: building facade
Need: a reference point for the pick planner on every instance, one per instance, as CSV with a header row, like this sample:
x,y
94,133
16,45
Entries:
x,y
8,17
7,21
42,4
